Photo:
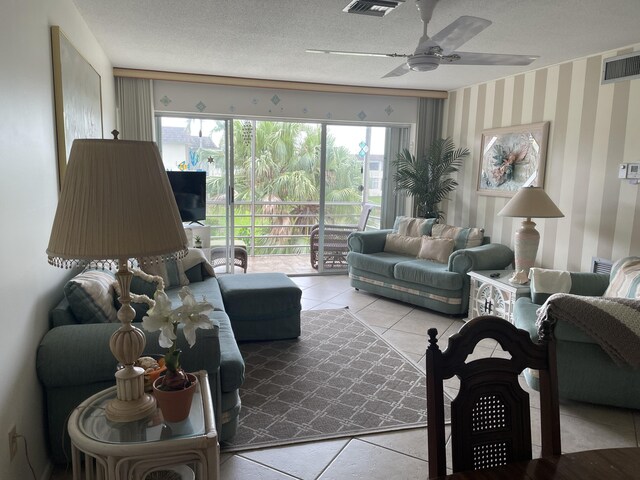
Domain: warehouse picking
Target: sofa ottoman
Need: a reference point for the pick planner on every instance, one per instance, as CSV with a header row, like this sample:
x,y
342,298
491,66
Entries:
x,y
262,306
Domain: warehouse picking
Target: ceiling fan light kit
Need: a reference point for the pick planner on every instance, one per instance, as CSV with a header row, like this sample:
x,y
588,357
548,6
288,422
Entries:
x,y
439,49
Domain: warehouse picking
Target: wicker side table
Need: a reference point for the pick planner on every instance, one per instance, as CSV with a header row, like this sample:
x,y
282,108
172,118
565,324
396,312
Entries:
x,y
134,450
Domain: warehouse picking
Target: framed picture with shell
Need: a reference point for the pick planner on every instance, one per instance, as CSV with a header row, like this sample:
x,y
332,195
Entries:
x,y
78,97
511,158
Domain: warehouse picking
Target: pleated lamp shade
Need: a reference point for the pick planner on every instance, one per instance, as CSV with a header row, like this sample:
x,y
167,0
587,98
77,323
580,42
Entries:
x,y
116,203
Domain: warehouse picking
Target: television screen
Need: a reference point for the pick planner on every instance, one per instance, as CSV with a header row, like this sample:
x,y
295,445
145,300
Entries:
x,y
190,190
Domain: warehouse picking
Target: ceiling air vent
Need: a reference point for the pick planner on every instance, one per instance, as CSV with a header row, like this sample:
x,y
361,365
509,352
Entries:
x,y
624,67
377,8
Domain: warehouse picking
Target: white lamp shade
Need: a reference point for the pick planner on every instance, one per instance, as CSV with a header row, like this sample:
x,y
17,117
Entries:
x,y
531,202
116,203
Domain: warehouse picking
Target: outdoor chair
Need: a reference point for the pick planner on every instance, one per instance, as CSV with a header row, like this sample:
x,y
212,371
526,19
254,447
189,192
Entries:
x,y
335,241
490,419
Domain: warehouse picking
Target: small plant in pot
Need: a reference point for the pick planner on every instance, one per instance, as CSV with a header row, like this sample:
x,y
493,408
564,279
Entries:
x,y
428,179
176,385
197,241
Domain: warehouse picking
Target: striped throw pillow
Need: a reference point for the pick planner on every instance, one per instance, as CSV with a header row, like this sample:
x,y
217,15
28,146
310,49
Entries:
x,y
462,237
625,279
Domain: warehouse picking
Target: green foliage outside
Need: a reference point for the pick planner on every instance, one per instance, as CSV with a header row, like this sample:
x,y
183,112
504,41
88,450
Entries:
x,y
286,184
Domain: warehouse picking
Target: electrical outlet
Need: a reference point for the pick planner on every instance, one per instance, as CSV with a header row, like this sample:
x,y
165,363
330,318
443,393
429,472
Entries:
x,y
13,442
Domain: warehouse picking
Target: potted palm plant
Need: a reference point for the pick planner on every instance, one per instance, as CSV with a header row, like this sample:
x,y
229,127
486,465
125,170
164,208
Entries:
x,y
428,180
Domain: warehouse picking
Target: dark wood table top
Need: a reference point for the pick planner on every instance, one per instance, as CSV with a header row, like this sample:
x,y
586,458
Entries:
x,y
609,464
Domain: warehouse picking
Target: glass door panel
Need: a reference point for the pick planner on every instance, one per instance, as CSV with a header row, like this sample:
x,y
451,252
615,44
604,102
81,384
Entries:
x,y
353,176
200,144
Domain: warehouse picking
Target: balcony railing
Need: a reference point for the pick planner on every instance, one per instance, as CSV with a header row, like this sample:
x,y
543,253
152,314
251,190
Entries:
x,y
280,228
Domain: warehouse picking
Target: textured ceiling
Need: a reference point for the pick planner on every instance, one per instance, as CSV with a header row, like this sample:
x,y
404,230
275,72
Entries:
x,y
267,39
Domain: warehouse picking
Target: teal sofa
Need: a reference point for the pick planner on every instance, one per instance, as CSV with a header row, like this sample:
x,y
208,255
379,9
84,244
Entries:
x,y
585,372
443,287
74,361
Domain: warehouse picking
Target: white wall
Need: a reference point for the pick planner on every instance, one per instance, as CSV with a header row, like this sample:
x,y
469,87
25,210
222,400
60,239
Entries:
x,y
28,196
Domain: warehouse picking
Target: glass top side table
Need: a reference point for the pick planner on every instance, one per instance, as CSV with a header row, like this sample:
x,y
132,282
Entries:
x,y
132,450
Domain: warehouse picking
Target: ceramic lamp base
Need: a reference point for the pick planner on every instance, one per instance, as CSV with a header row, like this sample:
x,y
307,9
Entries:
x,y
526,243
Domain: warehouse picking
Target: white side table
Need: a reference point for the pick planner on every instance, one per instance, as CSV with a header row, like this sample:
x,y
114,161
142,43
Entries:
x,y
131,451
491,293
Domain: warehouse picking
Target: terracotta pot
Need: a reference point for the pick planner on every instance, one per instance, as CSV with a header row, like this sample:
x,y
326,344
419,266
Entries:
x,y
175,405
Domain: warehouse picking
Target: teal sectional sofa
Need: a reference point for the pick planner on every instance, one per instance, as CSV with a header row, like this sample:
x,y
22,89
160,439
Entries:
x,y
443,287
585,372
74,360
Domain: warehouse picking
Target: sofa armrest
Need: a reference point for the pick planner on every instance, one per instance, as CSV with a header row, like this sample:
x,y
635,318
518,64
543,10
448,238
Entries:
x,y
371,241
491,256
79,354
582,283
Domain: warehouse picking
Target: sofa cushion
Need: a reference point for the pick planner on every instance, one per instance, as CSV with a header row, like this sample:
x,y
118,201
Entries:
x,y
91,297
436,249
463,237
404,244
412,226
381,263
428,273
625,279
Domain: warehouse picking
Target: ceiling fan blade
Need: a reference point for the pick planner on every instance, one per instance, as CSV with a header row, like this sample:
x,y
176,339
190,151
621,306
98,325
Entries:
x,y
455,34
398,71
358,54
471,58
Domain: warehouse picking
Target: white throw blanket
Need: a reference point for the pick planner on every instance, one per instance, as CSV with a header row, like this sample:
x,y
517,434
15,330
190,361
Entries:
x,y
549,281
196,256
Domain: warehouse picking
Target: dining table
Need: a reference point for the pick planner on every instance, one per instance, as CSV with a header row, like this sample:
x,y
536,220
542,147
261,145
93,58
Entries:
x,y
605,464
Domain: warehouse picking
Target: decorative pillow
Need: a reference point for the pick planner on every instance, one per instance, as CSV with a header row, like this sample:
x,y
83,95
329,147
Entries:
x,y
413,227
625,279
436,249
90,296
462,237
396,243
142,289
171,271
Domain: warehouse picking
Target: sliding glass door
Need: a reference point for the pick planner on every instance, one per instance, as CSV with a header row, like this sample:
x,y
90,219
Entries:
x,y
276,191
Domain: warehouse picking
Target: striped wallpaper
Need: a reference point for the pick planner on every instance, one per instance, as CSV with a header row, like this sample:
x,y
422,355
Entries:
x,y
593,128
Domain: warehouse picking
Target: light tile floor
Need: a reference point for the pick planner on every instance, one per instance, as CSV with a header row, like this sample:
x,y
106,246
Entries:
x,y
403,455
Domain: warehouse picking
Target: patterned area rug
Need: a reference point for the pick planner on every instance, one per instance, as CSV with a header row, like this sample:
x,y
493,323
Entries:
x,y
338,379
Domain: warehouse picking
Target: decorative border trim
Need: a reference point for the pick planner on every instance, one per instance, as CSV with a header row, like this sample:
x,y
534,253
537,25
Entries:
x,y
411,291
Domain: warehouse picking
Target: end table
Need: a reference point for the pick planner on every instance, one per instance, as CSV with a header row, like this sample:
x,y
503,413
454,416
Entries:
x,y
133,450
491,293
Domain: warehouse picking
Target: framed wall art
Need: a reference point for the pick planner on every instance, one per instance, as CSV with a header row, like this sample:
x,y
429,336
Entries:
x,y
78,97
512,157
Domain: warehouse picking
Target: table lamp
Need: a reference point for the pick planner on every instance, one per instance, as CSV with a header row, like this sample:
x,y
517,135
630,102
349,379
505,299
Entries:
x,y
116,204
528,203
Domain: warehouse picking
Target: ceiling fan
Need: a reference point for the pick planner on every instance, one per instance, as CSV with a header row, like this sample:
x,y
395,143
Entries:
x,y
441,48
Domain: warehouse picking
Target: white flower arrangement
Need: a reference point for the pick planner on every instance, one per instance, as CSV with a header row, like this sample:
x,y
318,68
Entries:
x,y
162,317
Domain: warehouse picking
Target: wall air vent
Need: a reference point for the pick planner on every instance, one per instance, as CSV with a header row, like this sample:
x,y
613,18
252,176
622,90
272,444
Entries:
x,y
623,67
376,8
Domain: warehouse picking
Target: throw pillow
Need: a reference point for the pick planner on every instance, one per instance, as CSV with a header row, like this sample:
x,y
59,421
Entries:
x,y
90,296
462,237
436,249
142,289
396,243
171,271
625,279
413,227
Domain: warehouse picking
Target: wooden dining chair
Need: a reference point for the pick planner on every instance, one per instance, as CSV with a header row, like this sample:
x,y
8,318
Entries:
x,y
490,420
